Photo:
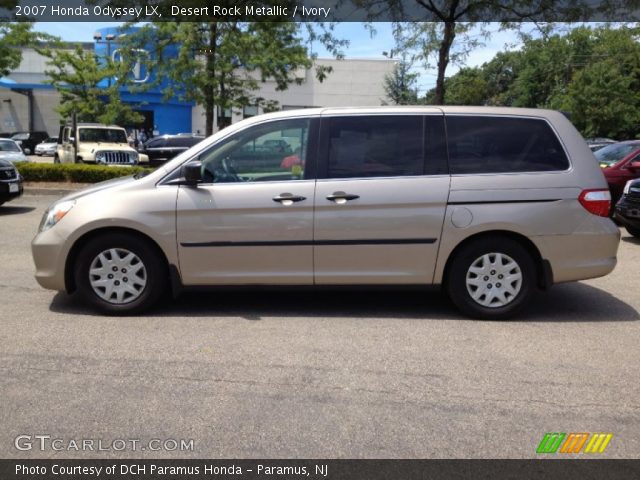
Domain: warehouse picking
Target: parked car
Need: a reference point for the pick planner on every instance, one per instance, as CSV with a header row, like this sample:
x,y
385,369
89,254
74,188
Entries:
x,y
489,203
620,163
164,148
11,151
47,147
97,144
628,208
597,143
10,181
29,140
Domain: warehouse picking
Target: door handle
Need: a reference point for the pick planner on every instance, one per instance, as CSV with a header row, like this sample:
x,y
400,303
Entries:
x,y
342,197
288,198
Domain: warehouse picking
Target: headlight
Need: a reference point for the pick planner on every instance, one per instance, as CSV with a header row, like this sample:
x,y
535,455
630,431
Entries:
x,y
627,187
55,213
100,157
133,156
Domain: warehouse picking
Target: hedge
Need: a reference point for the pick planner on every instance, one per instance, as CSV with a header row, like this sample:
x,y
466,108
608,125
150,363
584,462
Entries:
x,y
51,172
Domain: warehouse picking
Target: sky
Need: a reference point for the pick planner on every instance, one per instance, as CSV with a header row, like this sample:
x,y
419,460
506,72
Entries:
x,y
362,44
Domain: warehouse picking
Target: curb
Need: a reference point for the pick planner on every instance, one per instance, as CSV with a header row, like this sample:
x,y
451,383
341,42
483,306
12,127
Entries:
x,y
32,188
48,191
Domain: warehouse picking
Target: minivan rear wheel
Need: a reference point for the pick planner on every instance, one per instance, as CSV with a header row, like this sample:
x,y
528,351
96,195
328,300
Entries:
x,y
120,274
491,278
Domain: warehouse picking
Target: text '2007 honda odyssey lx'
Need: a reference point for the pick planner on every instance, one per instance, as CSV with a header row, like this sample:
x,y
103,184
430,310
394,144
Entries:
x,y
490,203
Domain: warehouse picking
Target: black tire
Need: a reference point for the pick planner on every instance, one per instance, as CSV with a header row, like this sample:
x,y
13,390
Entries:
x,y
56,159
156,275
633,231
458,289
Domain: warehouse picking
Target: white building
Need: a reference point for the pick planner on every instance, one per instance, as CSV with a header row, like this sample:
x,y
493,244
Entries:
x,y
353,82
28,102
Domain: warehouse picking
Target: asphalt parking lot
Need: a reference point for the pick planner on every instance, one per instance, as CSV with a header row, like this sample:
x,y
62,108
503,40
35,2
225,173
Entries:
x,y
313,375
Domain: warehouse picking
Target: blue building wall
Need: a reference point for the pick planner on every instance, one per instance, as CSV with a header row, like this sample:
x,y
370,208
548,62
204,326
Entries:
x,y
169,116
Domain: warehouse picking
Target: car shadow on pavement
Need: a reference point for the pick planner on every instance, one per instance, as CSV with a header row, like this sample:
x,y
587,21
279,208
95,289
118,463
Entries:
x,y
9,210
573,302
632,240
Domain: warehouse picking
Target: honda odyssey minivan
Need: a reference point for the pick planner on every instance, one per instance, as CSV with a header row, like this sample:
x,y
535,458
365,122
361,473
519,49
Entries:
x,y
489,203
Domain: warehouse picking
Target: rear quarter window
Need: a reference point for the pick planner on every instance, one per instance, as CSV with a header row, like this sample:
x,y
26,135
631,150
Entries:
x,y
480,144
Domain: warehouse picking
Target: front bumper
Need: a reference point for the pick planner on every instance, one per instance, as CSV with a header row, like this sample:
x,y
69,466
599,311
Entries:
x,y
45,151
49,250
7,192
628,213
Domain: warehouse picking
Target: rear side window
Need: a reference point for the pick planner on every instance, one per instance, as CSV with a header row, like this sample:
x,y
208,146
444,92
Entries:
x,y
503,144
375,146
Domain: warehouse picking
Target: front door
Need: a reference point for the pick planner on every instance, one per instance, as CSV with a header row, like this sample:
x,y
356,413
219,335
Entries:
x,y
67,153
381,196
251,220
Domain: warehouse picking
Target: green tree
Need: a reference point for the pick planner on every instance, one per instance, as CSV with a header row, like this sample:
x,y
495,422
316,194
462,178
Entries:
x,y
14,36
89,86
401,85
457,27
220,64
604,93
467,87
592,73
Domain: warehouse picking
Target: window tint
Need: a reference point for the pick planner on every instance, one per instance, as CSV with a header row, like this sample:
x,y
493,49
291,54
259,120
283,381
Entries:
x,y
187,141
498,144
612,154
375,146
156,143
272,151
106,135
9,146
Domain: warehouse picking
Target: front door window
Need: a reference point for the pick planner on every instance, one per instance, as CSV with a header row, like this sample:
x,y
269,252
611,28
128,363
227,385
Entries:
x,y
270,152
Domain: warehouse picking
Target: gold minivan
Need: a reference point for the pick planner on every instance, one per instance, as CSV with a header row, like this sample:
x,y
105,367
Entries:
x,y
490,203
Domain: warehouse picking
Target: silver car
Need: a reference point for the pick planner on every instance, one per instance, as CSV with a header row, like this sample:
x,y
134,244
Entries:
x,y
11,151
47,147
490,203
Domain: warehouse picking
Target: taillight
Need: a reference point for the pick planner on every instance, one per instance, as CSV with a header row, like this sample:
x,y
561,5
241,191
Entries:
x,y
597,202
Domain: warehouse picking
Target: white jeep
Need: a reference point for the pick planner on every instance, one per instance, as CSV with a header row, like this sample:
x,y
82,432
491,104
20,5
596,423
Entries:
x,y
96,143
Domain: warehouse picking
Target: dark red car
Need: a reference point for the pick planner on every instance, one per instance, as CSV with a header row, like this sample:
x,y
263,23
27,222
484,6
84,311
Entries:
x,y
620,163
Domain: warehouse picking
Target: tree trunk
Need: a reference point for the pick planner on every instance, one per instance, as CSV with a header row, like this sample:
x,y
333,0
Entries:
x,y
209,93
443,59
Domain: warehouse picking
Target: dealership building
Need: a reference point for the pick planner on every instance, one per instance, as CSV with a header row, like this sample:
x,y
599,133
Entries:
x,y
28,101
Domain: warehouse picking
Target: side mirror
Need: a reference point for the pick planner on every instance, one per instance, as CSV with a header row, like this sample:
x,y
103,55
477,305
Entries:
x,y
635,165
72,139
192,173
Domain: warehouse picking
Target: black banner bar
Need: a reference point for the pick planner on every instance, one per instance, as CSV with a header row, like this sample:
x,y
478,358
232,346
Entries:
x,y
322,11
319,469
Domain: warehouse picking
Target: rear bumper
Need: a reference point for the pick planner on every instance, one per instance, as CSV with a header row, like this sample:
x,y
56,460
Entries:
x,y
589,253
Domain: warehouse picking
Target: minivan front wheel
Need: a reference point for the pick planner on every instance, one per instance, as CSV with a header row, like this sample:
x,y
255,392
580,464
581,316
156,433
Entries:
x,y
120,274
491,278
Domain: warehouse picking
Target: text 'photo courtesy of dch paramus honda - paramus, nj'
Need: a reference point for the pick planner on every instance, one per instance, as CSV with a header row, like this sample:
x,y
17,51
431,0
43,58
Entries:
x,y
489,203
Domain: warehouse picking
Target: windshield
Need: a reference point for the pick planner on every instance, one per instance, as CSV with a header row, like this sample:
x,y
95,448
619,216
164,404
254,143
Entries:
x,y
9,146
612,154
51,140
104,135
